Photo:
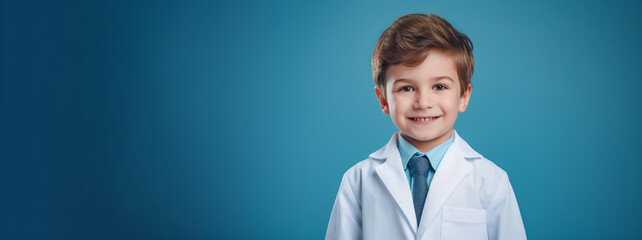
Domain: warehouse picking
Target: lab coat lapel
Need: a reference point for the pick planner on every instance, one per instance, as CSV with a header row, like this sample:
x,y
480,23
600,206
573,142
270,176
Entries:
x,y
393,177
451,171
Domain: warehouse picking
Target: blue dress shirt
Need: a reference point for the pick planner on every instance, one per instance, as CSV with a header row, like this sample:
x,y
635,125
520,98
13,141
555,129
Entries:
x,y
407,150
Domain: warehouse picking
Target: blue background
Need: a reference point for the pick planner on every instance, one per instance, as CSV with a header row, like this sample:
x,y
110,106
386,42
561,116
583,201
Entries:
x,y
223,120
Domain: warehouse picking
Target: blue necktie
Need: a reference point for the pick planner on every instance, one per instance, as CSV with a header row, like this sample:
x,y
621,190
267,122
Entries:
x,y
419,167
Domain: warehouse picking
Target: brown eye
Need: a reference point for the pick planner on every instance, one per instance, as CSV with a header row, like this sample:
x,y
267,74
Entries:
x,y
440,87
406,89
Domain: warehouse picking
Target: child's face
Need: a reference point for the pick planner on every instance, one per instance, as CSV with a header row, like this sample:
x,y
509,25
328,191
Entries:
x,y
424,101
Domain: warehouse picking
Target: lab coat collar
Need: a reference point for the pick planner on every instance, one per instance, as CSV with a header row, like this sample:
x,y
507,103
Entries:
x,y
385,151
452,170
393,177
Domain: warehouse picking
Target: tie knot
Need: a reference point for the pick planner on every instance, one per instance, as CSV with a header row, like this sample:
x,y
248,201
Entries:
x,y
419,165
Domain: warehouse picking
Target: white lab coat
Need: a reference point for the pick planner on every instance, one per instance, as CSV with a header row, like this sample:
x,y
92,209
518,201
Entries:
x,y
469,198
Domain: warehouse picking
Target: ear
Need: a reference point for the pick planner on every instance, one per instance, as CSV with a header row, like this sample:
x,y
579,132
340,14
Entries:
x,y
382,101
463,100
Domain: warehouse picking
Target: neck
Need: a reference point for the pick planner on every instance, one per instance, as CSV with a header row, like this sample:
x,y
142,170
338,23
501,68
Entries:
x,y
425,146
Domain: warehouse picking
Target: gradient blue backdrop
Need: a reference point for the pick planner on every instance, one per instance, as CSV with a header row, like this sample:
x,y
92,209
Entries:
x,y
223,120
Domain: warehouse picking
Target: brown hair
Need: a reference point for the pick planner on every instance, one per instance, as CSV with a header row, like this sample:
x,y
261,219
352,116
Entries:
x,y
409,38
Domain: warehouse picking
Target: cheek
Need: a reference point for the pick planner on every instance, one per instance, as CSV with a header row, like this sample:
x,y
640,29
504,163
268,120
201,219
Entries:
x,y
399,103
396,106
452,105
393,103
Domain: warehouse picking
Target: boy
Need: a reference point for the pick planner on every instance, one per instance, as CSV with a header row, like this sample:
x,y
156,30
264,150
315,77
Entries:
x,y
427,182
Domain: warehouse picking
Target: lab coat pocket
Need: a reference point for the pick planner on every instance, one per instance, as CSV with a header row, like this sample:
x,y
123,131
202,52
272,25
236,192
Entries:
x,y
463,223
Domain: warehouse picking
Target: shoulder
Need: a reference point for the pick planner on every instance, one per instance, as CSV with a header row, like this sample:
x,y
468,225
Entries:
x,y
367,166
488,177
487,169
490,180
481,165
363,168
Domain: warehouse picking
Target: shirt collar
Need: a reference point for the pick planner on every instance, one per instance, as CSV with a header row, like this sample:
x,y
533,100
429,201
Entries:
x,y
407,150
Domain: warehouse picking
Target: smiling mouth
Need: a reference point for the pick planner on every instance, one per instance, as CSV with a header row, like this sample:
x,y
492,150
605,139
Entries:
x,y
423,119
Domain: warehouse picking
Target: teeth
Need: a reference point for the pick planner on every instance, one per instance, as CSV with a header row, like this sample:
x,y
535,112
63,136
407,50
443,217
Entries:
x,y
423,119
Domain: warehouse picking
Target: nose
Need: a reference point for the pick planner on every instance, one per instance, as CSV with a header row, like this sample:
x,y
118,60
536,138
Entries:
x,y
423,99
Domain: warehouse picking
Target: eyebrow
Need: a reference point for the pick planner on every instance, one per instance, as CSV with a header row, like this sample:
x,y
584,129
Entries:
x,y
437,78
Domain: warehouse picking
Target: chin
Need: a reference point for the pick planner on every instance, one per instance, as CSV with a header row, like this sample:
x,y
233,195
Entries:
x,y
423,137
